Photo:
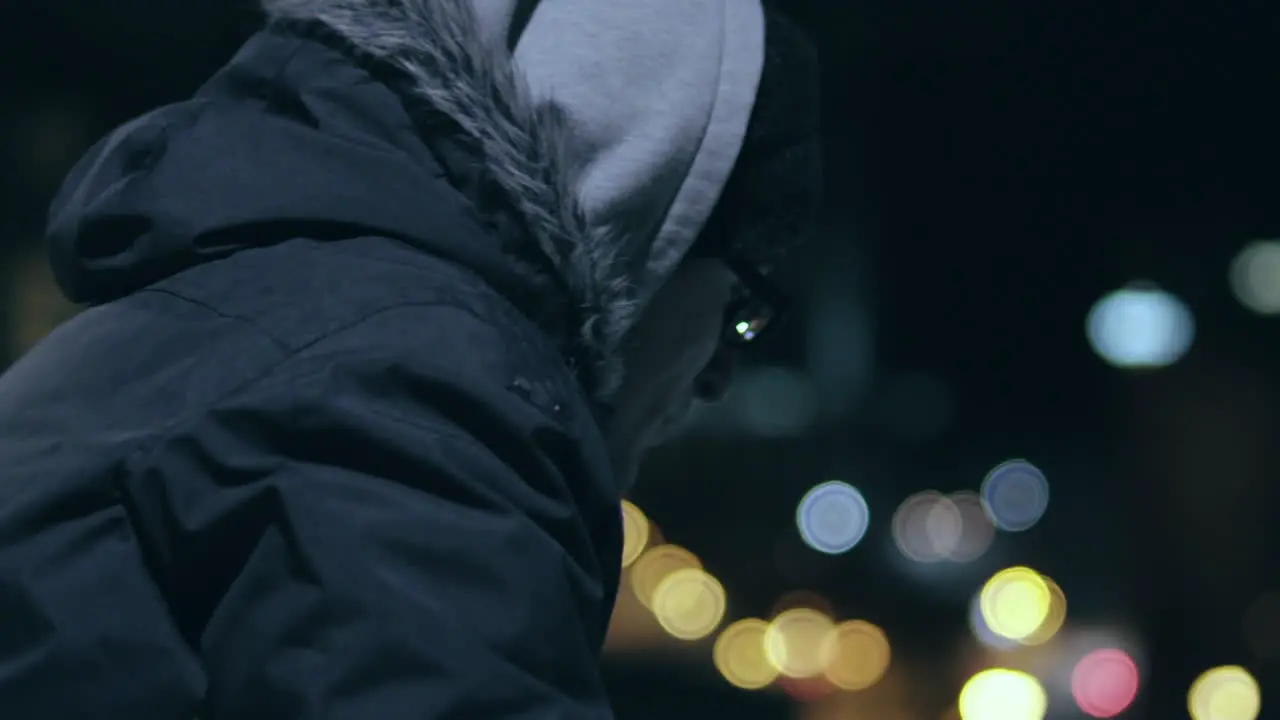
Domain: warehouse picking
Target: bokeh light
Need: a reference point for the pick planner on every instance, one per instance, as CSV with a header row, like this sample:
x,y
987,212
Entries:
x,y
656,537
1255,277
976,530
1105,682
1003,694
1015,495
857,656
983,632
797,642
740,657
927,527
1015,602
635,533
655,565
1140,327
832,517
1054,620
1228,692
36,305
689,603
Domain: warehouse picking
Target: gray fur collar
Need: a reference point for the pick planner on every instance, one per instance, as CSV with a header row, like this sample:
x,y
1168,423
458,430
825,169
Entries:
x,y
438,44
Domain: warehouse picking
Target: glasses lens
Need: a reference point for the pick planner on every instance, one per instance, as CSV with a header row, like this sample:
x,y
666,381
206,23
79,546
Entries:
x,y
749,321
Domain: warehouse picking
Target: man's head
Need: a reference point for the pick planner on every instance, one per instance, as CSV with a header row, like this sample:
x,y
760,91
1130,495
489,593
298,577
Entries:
x,y
677,340
685,345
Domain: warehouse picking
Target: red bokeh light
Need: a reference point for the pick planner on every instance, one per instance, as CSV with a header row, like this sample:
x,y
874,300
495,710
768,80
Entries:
x,y
1105,682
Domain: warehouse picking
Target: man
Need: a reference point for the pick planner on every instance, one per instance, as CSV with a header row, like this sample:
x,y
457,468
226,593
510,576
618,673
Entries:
x,y
381,322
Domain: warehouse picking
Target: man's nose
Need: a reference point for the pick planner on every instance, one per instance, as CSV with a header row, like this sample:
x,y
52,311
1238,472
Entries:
x,y
713,383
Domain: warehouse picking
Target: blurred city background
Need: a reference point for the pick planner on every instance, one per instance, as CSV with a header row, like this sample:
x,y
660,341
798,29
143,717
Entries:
x,y
1014,459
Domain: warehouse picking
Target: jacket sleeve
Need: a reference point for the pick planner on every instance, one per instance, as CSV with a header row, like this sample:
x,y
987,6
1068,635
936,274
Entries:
x,y
370,533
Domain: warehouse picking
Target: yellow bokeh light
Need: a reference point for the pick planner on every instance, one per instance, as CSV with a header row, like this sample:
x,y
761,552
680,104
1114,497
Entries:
x,y
982,632
1002,694
740,657
1055,618
1015,603
689,604
654,565
797,642
1225,693
635,532
858,655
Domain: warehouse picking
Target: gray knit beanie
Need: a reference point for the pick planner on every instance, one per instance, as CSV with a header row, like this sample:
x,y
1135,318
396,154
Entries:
x,y
771,199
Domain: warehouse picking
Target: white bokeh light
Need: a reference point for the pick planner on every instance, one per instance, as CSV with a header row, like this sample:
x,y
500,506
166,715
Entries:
x,y
1140,327
1255,277
927,527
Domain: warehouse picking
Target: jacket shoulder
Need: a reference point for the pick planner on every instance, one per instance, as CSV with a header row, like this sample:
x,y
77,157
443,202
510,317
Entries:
x,y
302,290
302,293
146,361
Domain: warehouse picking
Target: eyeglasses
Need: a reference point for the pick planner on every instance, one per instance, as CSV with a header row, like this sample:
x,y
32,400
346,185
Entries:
x,y
758,305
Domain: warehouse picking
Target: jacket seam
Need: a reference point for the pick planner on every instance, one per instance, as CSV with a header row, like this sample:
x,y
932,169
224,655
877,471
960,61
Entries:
x,y
147,449
280,344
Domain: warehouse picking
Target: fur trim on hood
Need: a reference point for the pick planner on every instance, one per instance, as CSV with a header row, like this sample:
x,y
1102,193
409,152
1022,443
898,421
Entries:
x,y
611,127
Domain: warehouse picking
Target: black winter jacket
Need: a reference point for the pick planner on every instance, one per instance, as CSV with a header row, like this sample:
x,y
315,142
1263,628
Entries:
x,y
313,451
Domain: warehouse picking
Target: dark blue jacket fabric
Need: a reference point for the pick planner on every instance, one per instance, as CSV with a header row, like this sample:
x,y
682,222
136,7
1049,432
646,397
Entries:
x,y
310,452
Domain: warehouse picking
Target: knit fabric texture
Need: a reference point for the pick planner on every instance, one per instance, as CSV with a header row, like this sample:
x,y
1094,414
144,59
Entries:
x,y
772,197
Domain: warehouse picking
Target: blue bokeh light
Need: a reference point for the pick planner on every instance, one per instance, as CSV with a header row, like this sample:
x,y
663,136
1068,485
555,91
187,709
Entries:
x,y
1015,495
833,517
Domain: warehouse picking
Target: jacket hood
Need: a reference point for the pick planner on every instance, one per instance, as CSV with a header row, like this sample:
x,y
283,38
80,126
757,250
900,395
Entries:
x,y
609,128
